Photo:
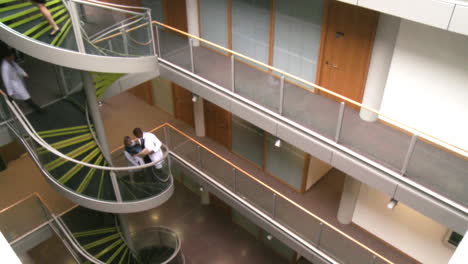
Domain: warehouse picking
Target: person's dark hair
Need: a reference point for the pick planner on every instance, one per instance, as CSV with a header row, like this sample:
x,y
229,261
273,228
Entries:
x,y
125,139
137,131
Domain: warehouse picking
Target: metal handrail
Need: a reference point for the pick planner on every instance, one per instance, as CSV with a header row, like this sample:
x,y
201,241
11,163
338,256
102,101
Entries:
x,y
407,128
102,5
273,190
33,134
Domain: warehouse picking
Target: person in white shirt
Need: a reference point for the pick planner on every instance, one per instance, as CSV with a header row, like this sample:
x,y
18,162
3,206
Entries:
x,y
13,75
152,152
151,144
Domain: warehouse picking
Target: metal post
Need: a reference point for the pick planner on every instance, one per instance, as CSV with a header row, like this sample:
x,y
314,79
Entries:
x,y
233,87
340,122
192,64
93,107
62,83
151,31
199,157
281,95
76,27
274,205
409,153
235,179
124,39
374,259
159,42
111,48
115,186
169,165
319,236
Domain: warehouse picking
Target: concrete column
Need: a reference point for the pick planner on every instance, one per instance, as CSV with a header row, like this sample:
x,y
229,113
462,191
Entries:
x,y
93,108
382,53
192,20
199,117
348,200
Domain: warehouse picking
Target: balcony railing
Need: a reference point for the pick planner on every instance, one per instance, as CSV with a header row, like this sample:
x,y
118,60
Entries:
x,y
419,159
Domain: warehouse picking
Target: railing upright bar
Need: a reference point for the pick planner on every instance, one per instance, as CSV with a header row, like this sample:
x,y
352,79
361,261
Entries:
x,y
409,154
233,87
319,235
274,205
124,40
111,48
192,64
151,32
340,122
76,27
158,40
116,187
281,102
234,171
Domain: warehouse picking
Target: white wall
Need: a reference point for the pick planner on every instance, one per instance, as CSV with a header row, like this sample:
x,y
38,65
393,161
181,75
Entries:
x,y
427,83
413,233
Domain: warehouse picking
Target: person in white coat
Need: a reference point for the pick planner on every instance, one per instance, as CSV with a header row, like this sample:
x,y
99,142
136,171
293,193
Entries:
x,y
13,79
152,151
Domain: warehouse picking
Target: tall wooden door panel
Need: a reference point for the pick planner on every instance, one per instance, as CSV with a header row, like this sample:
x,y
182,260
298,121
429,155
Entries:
x,y
183,105
217,124
346,49
175,14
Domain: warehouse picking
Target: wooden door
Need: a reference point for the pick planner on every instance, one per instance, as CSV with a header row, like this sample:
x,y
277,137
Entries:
x,y
144,92
183,105
346,47
217,124
175,14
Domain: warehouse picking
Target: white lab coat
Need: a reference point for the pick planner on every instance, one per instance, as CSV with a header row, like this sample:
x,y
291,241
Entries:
x,y
133,160
152,143
12,75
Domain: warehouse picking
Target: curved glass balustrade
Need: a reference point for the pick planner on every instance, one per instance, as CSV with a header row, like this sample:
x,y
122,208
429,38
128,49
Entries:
x,y
75,165
157,245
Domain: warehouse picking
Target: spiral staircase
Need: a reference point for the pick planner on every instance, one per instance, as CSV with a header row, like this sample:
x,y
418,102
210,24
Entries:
x,y
62,141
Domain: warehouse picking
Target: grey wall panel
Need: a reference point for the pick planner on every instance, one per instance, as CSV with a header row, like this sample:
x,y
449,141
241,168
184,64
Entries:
x,y
175,76
304,142
129,81
441,213
212,95
254,116
370,176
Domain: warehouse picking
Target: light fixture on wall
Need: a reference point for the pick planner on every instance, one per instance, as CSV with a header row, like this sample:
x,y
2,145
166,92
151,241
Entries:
x,y
278,143
194,98
392,203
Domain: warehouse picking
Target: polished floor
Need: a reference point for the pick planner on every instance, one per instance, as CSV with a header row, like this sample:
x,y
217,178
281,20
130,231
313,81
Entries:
x,y
123,112
208,234
431,166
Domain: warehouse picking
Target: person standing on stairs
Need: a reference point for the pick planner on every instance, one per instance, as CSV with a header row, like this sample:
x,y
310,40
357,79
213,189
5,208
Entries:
x,y
47,15
13,79
152,150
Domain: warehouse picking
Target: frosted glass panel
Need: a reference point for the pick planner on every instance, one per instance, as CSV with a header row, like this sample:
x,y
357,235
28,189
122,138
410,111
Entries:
x,y
250,28
213,21
247,140
297,36
285,162
156,9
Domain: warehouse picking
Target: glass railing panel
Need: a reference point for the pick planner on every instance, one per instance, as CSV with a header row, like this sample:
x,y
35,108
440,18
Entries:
x,y
22,217
343,249
107,31
174,47
299,221
184,147
43,246
440,170
374,140
309,108
257,83
254,192
144,183
157,245
212,64
217,168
